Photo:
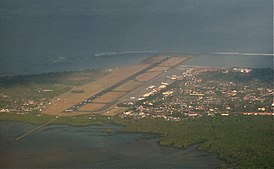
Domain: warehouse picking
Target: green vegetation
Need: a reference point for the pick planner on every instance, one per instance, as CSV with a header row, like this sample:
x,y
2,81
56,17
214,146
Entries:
x,y
43,118
68,77
77,91
243,141
83,120
28,118
263,74
28,93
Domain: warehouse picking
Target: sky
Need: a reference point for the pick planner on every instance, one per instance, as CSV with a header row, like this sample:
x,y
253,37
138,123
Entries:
x,y
40,32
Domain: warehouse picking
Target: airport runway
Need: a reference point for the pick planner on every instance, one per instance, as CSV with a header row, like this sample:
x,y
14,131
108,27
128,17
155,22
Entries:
x,y
92,98
138,91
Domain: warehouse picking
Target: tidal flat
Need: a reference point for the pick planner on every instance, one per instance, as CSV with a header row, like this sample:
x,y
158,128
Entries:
x,y
62,146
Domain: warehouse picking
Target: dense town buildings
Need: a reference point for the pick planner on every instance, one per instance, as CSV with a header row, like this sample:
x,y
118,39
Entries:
x,y
201,92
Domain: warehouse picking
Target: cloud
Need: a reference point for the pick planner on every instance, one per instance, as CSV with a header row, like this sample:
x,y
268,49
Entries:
x,y
133,52
59,59
105,54
243,54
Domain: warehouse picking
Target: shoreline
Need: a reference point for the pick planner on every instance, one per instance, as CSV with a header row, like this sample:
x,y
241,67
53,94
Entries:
x,y
166,138
143,142
177,134
156,137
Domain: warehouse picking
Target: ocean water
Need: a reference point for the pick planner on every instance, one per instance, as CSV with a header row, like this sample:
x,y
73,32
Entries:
x,y
256,61
105,61
69,64
61,146
64,35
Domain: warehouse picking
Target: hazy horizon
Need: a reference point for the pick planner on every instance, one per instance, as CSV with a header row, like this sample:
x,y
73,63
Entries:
x,y
41,36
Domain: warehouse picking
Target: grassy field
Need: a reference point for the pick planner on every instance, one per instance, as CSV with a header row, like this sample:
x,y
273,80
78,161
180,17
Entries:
x,y
173,61
109,97
91,107
43,118
156,69
147,76
17,90
128,86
